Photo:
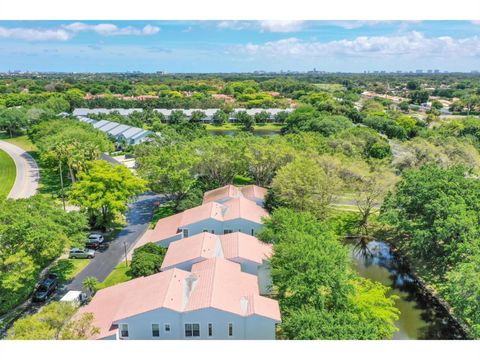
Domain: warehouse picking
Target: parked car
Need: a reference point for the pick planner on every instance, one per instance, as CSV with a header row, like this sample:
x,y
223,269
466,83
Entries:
x,y
96,238
46,288
77,253
95,242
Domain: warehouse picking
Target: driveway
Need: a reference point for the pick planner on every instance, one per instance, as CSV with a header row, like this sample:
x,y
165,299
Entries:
x,y
28,174
138,221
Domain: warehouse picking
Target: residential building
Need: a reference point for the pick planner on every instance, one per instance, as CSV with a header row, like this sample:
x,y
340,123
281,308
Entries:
x,y
251,192
237,214
246,250
215,300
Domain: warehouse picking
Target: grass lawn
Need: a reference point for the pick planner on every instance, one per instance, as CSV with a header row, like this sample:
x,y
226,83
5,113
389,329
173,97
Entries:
x,y
21,141
7,174
67,269
120,274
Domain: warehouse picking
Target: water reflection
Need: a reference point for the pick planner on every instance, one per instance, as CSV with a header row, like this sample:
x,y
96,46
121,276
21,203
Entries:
x,y
420,317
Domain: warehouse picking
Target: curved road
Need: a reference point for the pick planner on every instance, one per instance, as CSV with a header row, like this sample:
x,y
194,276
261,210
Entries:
x,y
28,174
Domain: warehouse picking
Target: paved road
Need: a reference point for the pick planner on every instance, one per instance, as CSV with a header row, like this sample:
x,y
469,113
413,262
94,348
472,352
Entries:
x,y
28,174
138,220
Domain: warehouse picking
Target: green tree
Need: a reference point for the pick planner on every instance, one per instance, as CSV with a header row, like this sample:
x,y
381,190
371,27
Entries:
x,y
90,283
103,191
147,259
169,170
54,322
12,120
435,213
23,252
220,117
242,117
319,296
302,184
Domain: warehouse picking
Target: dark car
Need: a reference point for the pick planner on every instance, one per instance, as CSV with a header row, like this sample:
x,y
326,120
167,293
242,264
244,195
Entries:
x,y
46,288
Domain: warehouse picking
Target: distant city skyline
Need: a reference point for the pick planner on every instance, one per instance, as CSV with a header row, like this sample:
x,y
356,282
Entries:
x,y
239,46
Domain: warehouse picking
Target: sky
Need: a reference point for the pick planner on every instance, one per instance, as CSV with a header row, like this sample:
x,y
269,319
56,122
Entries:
x,y
239,46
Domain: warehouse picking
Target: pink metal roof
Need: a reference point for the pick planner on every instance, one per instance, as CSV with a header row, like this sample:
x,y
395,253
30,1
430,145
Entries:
x,y
135,297
203,246
233,209
245,209
252,192
242,246
227,191
222,285
214,283
234,246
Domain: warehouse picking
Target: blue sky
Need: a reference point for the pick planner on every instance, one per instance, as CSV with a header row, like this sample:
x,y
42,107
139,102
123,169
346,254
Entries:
x,y
225,46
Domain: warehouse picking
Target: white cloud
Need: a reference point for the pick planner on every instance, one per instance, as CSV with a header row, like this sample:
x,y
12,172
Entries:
x,y
281,25
235,25
111,29
263,25
356,24
66,32
413,43
34,34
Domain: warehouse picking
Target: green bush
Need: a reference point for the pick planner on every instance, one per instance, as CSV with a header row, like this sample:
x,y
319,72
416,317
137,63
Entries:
x,y
147,259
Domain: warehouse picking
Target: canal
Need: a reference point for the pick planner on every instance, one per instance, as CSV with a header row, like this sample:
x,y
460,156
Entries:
x,y
420,318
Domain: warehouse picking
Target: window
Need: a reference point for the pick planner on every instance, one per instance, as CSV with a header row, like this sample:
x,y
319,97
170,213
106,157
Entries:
x,y
210,329
253,232
213,231
192,330
227,231
167,328
155,330
230,329
124,330
185,233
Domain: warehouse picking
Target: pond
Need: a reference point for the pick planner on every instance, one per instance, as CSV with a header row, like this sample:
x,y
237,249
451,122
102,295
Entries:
x,y
420,318
258,132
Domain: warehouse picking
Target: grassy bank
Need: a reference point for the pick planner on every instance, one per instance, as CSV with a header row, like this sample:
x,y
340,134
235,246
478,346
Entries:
x,y
7,174
120,274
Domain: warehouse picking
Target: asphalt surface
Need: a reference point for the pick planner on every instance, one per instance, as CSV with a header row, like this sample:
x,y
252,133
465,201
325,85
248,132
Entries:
x,y
138,219
28,174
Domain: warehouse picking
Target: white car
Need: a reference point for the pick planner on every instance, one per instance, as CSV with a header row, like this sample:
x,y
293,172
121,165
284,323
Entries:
x,y
95,238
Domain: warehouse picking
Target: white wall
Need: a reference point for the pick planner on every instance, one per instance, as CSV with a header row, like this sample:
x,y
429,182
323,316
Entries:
x,y
242,225
252,327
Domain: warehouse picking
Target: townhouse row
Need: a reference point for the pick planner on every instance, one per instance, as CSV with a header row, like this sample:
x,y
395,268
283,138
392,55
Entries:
x,y
214,281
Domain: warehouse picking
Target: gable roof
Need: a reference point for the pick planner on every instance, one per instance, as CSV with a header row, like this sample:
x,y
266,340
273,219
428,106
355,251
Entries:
x,y
234,246
213,283
232,209
238,245
201,246
252,192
